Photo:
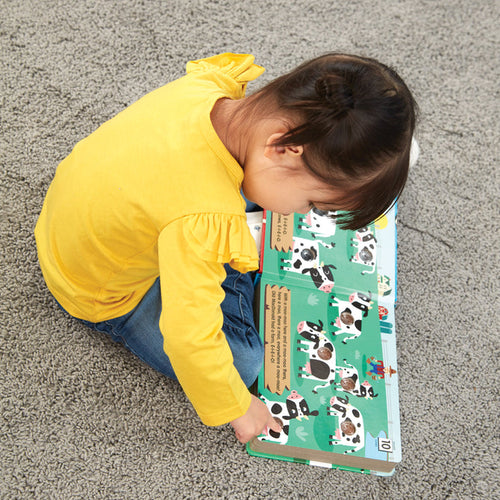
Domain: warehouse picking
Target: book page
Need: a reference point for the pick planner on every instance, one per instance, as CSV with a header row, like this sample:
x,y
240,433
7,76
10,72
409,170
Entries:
x,y
327,322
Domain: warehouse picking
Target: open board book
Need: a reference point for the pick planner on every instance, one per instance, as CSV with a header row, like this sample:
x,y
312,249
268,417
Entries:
x,y
326,317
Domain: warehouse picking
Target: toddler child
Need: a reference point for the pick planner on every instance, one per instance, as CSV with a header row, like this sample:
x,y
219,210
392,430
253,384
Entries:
x,y
143,231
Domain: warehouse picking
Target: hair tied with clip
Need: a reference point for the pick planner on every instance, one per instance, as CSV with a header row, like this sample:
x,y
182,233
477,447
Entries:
x,y
335,92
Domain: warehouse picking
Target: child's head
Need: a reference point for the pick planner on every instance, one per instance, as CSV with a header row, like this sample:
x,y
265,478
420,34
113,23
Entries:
x,y
354,118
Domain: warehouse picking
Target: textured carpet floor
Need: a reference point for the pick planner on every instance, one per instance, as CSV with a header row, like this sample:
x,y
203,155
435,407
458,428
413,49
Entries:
x,y
80,417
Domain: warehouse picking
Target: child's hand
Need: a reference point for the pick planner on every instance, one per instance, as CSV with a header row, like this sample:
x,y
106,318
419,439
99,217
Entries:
x,y
254,421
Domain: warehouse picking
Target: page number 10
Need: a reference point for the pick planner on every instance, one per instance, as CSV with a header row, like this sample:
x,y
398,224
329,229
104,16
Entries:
x,y
385,444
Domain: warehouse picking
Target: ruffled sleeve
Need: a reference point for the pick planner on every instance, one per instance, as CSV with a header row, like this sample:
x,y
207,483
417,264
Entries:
x,y
191,251
239,69
222,238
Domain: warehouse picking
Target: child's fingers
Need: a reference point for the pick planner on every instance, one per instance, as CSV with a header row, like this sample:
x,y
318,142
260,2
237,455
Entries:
x,y
241,438
274,424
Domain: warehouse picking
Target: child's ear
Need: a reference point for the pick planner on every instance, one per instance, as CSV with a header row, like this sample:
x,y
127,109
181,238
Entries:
x,y
295,150
271,150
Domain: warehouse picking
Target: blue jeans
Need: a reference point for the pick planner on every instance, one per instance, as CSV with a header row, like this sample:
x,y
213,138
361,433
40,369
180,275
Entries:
x,y
139,330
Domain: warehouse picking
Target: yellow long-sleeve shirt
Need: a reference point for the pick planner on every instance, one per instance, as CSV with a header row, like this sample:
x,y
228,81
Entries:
x,y
154,192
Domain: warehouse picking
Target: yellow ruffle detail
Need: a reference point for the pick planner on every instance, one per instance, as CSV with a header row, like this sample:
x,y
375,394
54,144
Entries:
x,y
238,67
222,238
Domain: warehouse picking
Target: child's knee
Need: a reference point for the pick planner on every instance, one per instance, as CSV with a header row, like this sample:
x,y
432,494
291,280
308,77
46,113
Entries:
x,y
249,361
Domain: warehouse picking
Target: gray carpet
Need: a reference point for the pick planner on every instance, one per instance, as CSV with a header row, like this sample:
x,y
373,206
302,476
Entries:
x,y
80,417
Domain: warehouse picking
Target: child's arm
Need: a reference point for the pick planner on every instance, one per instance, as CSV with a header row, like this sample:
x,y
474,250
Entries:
x,y
191,323
254,421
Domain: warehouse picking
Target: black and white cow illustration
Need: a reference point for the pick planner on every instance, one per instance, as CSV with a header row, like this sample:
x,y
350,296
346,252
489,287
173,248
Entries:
x,y
321,364
366,246
351,314
295,407
305,260
350,430
322,277
321,223
350,383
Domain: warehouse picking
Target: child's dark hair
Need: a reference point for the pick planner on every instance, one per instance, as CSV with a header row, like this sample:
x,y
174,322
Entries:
x,y
355,118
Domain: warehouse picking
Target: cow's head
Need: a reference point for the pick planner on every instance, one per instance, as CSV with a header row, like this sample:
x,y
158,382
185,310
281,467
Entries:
x,y
322,277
